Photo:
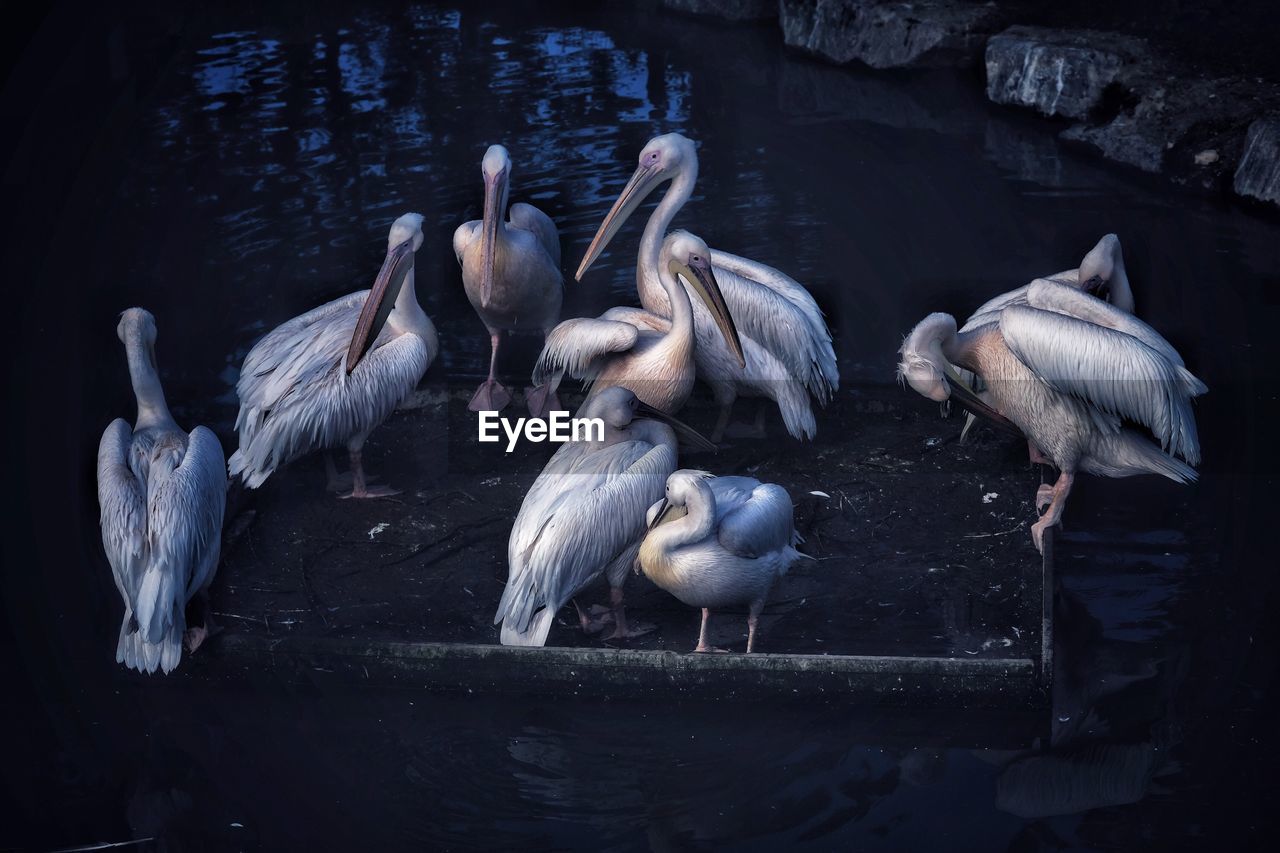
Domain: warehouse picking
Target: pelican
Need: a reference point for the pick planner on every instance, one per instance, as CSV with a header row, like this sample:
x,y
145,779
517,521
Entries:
x,y
1101,274
330,376
788,345
161,493
584,516
1067,370
511,271
640,350
719,542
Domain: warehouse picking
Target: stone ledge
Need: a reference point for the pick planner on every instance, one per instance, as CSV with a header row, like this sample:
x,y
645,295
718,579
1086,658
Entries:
x,y
729,10
885,34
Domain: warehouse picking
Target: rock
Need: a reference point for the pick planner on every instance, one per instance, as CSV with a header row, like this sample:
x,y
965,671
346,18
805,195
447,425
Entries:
x,y
1058,72
729,10
884,34
1170,119
1259,173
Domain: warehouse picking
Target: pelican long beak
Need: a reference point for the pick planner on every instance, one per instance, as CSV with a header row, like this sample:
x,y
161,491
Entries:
x,y
382,298
642,182
494,189
963,394
663,511
703,281
692,437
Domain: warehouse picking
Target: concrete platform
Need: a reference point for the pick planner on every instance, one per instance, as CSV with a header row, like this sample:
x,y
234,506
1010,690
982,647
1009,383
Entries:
x,y
924,588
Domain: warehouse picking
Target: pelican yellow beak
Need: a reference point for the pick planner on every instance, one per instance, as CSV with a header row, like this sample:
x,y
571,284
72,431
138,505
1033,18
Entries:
x,y
703,281
663,511
494,189
642,182
692,437
382,298
963,394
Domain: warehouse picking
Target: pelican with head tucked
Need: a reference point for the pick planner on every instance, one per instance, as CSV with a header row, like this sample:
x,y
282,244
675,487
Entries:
x,y
650,354
329,377
1073,374
1101,274
719,542
784,336
584,516
511,271
162,493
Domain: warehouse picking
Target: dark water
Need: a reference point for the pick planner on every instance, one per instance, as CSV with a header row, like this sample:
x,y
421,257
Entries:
x,y
231,169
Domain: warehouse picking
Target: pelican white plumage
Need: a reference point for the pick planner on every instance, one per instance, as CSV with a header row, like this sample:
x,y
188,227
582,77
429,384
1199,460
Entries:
x,y
584,516
330,376
1101,274
1071,373
632,348
161,493
785,338
511,271
719,542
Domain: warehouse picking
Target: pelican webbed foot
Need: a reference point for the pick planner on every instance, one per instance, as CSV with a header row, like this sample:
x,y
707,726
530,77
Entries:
x,y
622,630
1057,503
360,487
542,400
593,619
491,396
703,646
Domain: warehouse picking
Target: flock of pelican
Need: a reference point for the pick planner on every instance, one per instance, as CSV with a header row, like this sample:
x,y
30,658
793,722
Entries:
x,y
1062,362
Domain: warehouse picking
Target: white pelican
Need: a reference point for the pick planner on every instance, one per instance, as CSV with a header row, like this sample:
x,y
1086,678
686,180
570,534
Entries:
x,y
773,311
636,349
511,271
331,376
584,516
161,493
1100,274
1068,371
719,542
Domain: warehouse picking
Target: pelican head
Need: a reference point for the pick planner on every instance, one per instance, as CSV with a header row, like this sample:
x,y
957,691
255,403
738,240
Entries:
x,y
923,365
687,256
496,169
661,160
1102,274
137,324
618,407
403,240
680,485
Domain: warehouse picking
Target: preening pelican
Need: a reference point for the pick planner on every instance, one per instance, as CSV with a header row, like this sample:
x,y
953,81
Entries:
x,y
162,494
719,542
1067,370
786,340
329,377
511,271
1100,274
584,516
640,350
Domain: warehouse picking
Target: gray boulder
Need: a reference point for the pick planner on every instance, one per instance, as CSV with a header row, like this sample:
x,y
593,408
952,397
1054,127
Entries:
x,y
1259,173
885,34
1058,72
729,10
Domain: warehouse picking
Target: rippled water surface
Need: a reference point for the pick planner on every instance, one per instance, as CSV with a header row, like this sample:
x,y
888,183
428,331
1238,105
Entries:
x,y
260,161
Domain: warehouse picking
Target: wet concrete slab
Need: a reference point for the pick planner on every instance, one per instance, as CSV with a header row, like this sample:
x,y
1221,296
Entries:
x,y
921,552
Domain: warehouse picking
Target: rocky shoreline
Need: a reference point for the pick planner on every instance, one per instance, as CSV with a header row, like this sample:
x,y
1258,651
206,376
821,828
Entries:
x,y
1126,97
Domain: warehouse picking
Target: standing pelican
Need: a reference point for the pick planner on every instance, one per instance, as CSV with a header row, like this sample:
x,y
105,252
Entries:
x,y
584,516
332,375
1067,370
635,349
1100,274
161,493
719,542
511,271
787,343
